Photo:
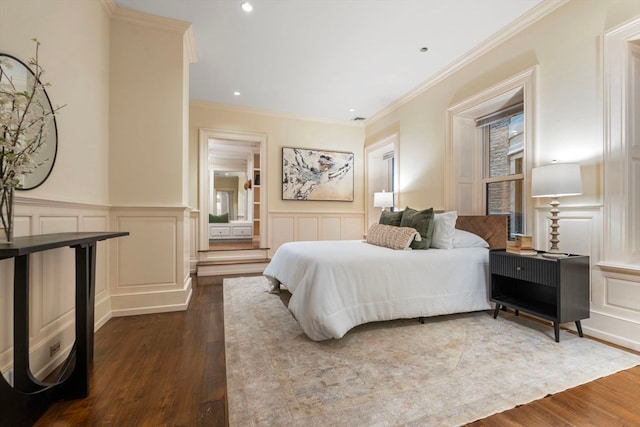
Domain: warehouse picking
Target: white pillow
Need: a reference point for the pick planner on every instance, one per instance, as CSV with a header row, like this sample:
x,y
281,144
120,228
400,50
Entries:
x,y
465,239
443,226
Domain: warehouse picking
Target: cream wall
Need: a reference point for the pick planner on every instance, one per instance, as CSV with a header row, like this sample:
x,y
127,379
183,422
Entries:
x,y
287,131
78,70
75,196
146,113
147,152
121,165
565,49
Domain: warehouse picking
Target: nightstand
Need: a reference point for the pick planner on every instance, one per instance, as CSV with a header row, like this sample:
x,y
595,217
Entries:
x,y
553,289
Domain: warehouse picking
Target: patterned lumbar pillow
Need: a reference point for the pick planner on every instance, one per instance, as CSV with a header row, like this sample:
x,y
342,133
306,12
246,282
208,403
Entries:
x,y
392,237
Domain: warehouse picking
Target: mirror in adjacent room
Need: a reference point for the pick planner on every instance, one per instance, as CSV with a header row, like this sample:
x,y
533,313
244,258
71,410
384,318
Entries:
x,y
22,77
228,195
230,191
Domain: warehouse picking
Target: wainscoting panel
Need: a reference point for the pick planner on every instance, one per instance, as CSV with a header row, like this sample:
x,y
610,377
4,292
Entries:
x,y
99,223
149,252
330,229
281,230
58,224
152,273
624,294
52,281
58,292
615,290
308,228
304,226
352,228
579,230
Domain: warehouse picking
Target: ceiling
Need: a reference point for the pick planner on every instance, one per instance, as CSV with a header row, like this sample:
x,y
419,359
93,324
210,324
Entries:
x,y
329,59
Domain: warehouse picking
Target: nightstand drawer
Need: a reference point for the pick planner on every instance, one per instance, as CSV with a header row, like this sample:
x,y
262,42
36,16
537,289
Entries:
x,y
530,269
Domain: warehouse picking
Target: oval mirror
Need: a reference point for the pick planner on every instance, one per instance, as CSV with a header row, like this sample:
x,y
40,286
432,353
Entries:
x,y
23,78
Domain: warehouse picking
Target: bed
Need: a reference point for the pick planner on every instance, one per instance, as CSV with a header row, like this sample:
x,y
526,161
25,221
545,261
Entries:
x,y
337,285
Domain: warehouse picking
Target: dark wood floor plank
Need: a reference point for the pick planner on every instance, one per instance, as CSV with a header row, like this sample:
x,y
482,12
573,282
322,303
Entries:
x,y
169,369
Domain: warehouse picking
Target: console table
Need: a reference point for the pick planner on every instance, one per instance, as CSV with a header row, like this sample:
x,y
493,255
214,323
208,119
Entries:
x,y
553,289
24,402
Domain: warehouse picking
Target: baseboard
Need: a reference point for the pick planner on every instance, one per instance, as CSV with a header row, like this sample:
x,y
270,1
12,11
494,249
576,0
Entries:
x,y
152,302
102,312
622,332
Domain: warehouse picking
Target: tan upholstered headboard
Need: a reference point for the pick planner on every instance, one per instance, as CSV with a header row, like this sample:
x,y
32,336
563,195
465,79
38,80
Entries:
x,y
492,228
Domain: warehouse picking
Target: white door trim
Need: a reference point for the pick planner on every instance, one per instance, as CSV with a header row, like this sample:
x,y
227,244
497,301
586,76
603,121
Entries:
x,y
203,188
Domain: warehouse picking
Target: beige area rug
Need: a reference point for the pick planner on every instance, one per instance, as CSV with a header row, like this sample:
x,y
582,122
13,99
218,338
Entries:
x,y
451,370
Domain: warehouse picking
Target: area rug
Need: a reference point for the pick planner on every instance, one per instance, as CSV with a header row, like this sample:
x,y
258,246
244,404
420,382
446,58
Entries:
x,y
447,372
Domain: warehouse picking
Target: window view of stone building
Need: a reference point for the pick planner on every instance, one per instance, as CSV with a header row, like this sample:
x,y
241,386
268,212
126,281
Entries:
x,y
504,148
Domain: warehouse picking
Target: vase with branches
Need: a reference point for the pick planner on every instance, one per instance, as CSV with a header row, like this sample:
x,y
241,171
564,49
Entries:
x,y
24,123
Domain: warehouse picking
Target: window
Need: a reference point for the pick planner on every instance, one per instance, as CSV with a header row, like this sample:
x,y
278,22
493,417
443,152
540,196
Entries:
x,y
224,203
484,178
388,159
503,168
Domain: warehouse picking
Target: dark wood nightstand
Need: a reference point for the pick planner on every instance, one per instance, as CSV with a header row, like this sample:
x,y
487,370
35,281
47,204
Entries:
x,y
553,289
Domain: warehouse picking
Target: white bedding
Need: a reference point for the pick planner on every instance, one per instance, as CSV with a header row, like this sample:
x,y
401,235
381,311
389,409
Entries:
x,y
336,285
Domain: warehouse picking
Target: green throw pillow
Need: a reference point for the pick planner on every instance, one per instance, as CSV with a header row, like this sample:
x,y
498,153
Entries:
x,y
218,218
390,218
423,222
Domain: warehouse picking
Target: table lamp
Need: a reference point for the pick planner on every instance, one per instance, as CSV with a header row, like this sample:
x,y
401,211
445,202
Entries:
x,y
383,199
555,180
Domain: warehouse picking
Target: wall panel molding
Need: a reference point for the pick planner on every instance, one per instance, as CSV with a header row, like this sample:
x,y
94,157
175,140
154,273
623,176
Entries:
x,y
151,271
296,226
614,288
52,280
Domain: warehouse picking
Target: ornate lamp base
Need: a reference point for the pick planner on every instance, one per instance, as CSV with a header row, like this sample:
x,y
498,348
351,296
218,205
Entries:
x,y
554,252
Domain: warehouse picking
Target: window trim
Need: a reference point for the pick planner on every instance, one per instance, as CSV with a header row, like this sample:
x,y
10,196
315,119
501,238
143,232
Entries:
x,y
620,190
460,118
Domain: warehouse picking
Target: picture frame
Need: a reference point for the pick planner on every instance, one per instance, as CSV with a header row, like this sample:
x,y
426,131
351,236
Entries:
x,y
320,175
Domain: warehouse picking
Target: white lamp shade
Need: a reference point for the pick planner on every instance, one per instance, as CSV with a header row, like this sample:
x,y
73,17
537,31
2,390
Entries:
x,y
556,180
383,199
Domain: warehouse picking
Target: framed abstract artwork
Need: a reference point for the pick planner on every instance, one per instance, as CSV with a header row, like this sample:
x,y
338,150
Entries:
x,y
309,174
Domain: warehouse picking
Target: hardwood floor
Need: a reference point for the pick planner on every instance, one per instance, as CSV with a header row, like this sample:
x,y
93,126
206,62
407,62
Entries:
x,y
169,370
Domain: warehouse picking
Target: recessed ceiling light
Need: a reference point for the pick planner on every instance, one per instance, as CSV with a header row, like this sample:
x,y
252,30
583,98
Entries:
x,y
246,6
424,49
352,109
236,93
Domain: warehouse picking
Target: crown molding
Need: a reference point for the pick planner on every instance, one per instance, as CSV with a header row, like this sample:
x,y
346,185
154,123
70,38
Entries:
x,y
190,45
109,6
151,21
156,22
520,24
276,114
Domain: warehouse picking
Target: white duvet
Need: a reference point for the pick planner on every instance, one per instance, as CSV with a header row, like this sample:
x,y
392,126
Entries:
x,y
336,285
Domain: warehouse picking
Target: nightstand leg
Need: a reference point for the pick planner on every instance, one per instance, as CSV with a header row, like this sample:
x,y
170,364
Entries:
x,y
556,330
579,327
495,312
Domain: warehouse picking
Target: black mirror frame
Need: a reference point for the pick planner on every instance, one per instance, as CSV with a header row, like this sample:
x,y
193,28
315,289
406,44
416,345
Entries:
x,y
55,129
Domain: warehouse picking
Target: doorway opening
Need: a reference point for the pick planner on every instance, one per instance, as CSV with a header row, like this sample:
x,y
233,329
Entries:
x,y
232,166
381,172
